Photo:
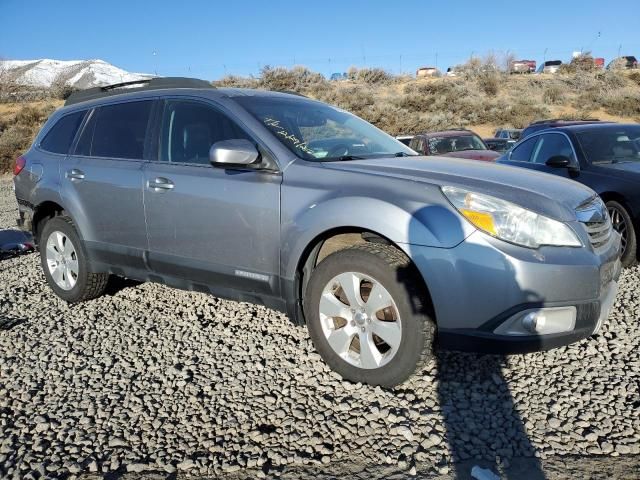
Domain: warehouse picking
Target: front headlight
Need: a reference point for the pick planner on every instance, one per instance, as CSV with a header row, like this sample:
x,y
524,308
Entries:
x,y
510,222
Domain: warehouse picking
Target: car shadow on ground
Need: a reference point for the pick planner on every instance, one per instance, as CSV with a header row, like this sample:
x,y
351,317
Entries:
x,y
482,425
480,418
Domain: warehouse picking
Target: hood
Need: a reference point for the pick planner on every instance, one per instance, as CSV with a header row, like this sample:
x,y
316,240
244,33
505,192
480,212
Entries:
x,y
547,194
486,155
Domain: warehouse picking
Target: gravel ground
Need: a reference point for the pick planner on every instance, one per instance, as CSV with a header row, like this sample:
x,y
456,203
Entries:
x,y
150,381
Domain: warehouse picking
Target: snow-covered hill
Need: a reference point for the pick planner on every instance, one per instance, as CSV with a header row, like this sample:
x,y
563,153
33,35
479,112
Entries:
x,y
77,73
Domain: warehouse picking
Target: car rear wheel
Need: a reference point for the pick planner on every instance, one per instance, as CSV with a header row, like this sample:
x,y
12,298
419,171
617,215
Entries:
x,y
622,223
367,315
65,265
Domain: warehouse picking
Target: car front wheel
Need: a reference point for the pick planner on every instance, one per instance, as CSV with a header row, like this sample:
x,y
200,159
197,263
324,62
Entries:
x,y
367,315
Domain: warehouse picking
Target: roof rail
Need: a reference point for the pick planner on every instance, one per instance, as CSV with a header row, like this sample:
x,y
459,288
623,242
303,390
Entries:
x,y
555,120
145,84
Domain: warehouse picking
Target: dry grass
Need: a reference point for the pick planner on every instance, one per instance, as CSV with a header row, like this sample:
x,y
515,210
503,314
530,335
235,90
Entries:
x,y
482,99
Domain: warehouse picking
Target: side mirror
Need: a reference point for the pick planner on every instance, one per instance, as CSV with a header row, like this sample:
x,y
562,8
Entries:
x,y
558,161
233,153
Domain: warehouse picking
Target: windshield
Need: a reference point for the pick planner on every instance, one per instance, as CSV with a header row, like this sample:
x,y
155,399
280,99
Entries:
x,y
615,144
454,143
316,131
514,134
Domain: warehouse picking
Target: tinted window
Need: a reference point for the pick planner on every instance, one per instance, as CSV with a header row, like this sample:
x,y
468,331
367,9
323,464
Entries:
x,y
116,131
611,144
61,135
551,145
522,152
189,129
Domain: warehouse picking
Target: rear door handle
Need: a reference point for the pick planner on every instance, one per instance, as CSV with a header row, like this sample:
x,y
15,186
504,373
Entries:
x,y
75,174
160,184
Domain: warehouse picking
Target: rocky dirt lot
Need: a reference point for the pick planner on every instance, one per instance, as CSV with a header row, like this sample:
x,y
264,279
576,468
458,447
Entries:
x,y
153,382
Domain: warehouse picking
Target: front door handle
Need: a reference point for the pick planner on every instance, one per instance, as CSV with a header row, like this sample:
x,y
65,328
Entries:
x,y
75,174
160,184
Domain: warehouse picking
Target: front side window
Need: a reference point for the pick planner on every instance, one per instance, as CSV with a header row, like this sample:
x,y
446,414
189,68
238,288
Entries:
x,y
189,129
61,135
552,145
523,151
439,145
611,144
319,132
116,131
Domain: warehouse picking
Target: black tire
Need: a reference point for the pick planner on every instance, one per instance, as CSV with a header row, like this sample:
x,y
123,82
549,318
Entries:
x,y
621,219
88,285
394,271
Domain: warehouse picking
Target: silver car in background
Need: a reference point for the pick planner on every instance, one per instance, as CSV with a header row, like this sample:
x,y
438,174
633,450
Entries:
x,y
285,201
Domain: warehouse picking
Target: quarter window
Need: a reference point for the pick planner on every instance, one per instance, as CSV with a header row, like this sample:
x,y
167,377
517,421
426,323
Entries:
x,y
551,145
61,135
522,152
116,131
189,129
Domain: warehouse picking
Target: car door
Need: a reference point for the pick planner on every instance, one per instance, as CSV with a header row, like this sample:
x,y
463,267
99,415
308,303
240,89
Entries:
x,y
208,225
101,183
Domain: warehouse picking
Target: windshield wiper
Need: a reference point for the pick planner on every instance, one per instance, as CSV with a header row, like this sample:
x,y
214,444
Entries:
x,y
342,158
404,154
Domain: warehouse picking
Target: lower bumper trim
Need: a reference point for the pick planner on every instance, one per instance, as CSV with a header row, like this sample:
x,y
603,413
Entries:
x,y
480,342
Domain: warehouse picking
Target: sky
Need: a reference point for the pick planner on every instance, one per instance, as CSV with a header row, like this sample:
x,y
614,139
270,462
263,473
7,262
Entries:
x,y
210,39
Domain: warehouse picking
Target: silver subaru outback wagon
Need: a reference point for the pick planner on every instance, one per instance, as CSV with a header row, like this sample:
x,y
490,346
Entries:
x,y
277,199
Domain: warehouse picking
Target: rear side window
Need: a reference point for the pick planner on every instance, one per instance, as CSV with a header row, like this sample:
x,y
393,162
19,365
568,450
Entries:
x,y
522,152
61,135
189,129
116,131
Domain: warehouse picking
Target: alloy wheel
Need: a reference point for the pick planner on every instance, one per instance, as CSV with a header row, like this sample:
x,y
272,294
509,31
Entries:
x,y
62,260
360,320
619,225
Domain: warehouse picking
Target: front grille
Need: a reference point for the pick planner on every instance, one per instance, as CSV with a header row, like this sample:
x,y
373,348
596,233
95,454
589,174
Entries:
x,y
599,232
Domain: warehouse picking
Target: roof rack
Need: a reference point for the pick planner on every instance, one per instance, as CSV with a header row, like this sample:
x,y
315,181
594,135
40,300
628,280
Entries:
x,y
145,84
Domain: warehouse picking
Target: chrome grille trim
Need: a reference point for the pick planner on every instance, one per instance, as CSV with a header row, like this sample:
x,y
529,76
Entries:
x,y
599,232
594,216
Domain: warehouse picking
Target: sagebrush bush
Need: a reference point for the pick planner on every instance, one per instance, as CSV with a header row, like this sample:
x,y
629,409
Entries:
x,y
17,133
371,76
13,141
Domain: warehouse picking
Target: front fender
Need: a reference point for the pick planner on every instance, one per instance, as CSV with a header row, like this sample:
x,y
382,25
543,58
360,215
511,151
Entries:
x,y
426,225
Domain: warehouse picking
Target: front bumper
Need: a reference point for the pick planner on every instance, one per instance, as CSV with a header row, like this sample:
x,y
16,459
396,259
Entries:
x,y
484,283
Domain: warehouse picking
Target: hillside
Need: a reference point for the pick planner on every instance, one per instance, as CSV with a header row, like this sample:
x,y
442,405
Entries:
x,y
78,74
478,100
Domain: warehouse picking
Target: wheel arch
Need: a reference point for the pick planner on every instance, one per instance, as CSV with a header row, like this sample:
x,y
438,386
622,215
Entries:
x,y
41,214
336,239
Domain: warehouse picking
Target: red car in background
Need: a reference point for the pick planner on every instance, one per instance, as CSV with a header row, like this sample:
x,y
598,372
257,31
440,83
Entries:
x,y
522,66
460,143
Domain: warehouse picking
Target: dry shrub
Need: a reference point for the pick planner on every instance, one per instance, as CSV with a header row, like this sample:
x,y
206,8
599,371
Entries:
x,y
634,76
371,76
624,103
581,63
281,79
553,94
13,142
236,81
17,133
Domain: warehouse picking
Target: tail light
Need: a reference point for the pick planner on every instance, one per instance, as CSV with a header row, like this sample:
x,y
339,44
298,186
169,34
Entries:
x,y
19,166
